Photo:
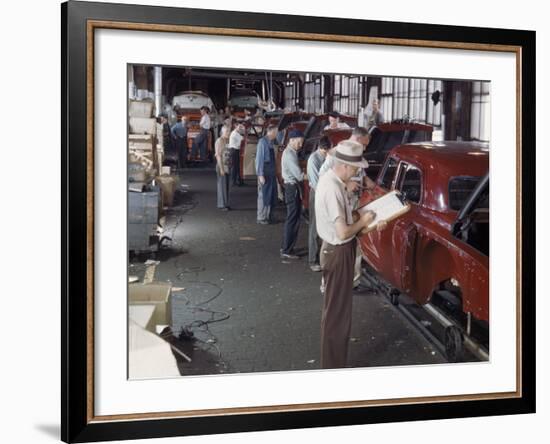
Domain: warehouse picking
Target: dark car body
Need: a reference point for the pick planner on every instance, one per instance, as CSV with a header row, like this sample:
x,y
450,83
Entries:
x,y
243,98
287,122
313,131
385,136
382,139
435,246
316,129
313,126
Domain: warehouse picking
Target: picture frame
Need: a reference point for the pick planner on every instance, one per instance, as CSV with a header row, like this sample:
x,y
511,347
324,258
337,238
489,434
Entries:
x,y
80,20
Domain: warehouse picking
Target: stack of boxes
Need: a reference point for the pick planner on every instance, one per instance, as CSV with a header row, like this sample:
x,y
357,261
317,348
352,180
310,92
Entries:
x,y
143,196
151,187
142,137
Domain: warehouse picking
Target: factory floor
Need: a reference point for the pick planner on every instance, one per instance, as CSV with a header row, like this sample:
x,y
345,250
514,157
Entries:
x,y
242,309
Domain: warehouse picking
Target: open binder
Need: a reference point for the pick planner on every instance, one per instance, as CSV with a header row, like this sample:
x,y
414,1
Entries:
x,y
386,208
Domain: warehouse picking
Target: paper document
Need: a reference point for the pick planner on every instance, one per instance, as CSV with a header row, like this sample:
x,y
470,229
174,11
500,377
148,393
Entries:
x,y
385,208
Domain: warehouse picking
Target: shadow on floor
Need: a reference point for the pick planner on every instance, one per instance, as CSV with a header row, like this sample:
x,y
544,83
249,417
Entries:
x,y
51,430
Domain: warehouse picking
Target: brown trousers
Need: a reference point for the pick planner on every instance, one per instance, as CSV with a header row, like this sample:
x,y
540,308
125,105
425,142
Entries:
x,y
338,263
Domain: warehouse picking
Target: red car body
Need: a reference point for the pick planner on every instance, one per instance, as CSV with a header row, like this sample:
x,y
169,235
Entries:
x,y
418,253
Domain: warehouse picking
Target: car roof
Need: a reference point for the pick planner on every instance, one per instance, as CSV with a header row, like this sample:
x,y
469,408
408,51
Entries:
x,y
449,158
198,93
401,126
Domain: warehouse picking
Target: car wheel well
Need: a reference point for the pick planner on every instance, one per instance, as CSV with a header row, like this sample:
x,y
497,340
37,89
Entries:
x,y
438,263
447,295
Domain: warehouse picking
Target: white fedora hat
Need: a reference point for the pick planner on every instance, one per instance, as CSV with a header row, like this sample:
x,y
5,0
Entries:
x,y
351,153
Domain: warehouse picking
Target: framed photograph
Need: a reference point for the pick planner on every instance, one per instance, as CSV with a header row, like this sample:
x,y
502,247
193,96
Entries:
x,y
276,222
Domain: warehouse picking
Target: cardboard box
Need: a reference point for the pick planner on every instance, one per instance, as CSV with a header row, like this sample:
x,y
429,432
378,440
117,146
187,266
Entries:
x,y
143,315
141,108
149,355
168,188
158,294
143,125
141,142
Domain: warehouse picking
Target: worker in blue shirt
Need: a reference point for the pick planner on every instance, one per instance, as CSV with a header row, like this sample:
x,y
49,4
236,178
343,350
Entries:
x,y
314,163
267,181
179,133
293,178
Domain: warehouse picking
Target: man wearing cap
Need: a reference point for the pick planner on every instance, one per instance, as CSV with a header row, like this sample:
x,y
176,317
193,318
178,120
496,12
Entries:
x,y
359,134
314,163
179,133
354,187
267,180
292,178
337,230
334,121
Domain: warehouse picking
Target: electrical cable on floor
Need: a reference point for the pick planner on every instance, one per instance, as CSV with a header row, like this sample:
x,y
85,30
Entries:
x,y
187,330
194,307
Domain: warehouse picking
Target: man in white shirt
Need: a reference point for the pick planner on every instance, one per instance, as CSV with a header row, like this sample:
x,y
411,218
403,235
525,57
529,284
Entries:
x,y
201,141
334,122
336,228
235,140
354,185
376,117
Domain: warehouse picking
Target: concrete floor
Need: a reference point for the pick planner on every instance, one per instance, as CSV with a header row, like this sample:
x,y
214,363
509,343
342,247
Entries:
x,y
248,310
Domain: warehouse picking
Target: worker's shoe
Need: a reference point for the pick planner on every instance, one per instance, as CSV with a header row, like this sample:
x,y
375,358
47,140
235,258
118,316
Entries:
x,y
262,222
289,256
315,267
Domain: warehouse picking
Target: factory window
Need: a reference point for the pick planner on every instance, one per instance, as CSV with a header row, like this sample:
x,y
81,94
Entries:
x,y
346,94
435,96
480,124
353,105
319,95
336,93
417,99
290,96
400,98
309,97
313,96
386,98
